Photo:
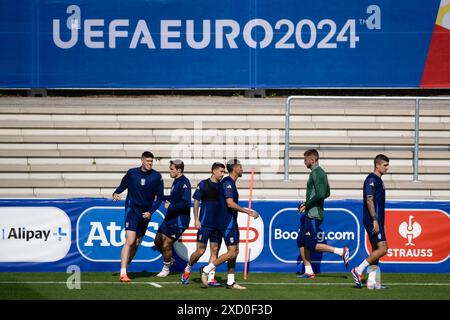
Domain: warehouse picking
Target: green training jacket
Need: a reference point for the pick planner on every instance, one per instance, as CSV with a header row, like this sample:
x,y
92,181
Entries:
x,y
317,190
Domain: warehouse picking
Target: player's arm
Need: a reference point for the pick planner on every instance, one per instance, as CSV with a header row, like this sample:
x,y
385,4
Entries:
x,y
234,206
373,214
198,195
159,196
121,188
196,216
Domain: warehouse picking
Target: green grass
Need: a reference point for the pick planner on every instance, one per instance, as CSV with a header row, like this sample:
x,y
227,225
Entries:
x,y
260,286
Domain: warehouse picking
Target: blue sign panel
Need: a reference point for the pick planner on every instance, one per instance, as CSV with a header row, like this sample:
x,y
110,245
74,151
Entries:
x,y
91,236
215,44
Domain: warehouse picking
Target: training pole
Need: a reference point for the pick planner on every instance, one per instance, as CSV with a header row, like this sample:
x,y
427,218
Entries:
x,y
248,225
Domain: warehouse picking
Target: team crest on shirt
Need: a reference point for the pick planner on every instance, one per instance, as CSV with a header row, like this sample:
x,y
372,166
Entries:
x,y
229,187
232,239
142,182
185,186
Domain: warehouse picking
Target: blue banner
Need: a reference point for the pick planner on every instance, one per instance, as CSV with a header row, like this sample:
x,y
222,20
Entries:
x,y
218,44
50,235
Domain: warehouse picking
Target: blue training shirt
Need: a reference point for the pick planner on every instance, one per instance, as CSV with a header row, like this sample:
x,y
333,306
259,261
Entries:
x,y
180,198
145,190
208,193
228,217
374,186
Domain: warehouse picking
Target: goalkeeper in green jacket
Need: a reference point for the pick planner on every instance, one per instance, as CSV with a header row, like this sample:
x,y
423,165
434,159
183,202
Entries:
x,y
317,190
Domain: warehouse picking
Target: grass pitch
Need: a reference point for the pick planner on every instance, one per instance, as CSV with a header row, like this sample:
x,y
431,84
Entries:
x,y
260,286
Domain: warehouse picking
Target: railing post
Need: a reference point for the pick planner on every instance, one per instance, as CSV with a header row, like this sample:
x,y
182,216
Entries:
x,y
416,143
286,139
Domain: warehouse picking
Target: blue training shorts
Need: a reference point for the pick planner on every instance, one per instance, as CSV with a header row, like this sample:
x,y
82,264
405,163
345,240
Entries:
x,y
230,236
206,233
381,236
134,222
174,228
307,235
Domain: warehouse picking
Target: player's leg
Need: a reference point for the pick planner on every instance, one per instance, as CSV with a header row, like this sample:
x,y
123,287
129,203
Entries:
x,y
158,241
140,233
307,243
379,249
231,238
306,257
344,252
195,256
130,238
232,252
231,282
131,228
166,251
133,249
214,252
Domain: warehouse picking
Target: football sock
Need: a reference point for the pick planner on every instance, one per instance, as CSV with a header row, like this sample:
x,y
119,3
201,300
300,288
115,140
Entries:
x,y
230,279
210,267
123,271
167,265
372,276
211,276
309,269
188,268
362,266
338,251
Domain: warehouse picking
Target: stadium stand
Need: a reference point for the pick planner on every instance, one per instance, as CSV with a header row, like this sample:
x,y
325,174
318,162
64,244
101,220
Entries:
x,y
81,146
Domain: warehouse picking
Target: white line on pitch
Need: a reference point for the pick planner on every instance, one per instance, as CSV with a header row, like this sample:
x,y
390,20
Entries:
x,y
156,285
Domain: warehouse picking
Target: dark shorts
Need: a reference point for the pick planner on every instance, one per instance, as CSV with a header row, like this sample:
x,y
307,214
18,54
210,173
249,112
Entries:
x,y
134,222
230,236
175,227
206,233
307,235
381,236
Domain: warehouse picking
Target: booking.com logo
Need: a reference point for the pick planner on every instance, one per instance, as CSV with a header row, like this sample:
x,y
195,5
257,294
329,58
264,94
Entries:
x,y
101,235
335,231
321,236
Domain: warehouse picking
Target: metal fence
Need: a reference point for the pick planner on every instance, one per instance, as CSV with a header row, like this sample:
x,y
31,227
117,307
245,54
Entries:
x,y
415,148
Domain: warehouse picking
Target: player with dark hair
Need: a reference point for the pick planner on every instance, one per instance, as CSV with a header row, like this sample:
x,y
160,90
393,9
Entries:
x,y
317,190
207,193
177,217
228,226
145,194
374,200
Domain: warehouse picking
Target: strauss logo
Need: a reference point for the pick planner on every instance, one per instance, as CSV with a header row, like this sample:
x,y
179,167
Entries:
x,y
410,230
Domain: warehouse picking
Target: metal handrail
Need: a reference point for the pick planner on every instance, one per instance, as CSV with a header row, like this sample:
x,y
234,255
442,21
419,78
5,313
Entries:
x,y
416,128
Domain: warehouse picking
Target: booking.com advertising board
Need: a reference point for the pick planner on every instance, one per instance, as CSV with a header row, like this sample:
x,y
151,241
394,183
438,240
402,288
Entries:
x,y
51,235
224,44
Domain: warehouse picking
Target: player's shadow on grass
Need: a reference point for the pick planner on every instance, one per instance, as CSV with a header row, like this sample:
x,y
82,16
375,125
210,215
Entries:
x,y
135,275
195,278
336,276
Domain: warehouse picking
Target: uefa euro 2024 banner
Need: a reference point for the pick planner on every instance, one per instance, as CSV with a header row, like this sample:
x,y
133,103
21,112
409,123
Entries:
x,y
51,235
224,44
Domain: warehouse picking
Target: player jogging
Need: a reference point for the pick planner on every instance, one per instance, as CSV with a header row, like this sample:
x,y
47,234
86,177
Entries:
x,y
227,223
317,190
177,217
207,193
145,193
